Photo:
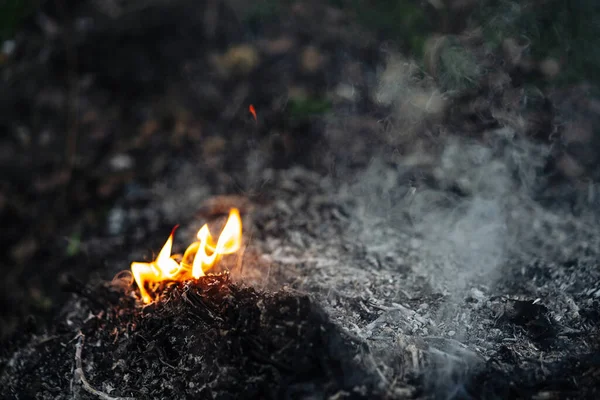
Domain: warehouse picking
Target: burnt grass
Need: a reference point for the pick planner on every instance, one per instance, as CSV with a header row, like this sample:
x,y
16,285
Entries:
x,y
208,338
117,125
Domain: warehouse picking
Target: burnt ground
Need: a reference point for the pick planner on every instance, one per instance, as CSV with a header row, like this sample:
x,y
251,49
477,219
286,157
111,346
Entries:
x,y
241,342
398,243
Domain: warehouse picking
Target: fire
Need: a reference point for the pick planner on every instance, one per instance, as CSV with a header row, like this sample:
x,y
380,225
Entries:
x,y
199,257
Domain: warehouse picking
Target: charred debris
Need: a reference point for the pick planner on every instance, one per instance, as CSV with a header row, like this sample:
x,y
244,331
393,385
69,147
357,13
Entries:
x,y
207,338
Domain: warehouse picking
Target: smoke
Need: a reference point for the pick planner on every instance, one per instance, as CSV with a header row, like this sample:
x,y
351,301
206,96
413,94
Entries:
x,y
466,205
479,187
461,206
465,211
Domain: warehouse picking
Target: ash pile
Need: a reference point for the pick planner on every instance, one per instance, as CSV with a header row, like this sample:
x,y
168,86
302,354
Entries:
x,y
391,290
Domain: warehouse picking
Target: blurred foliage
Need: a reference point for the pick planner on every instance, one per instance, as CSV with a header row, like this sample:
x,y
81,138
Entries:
x,y
74,244
568,31
12,14
458,69
263,11
564,30
304,108
403,21
502,19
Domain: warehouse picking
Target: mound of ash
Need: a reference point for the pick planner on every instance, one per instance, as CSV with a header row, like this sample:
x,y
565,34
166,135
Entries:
x,y
208,338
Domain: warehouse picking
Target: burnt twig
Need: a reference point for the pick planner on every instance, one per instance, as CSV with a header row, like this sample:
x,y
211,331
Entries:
x,y
79,375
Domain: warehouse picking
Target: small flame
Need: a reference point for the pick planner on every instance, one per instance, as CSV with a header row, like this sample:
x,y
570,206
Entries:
x,y
199,257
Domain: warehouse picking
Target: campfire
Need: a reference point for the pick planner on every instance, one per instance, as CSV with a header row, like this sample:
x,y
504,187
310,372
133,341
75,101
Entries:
x,y
199,257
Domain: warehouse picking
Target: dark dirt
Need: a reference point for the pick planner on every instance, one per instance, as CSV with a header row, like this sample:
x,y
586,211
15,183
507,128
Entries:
x,y
212,338
397,244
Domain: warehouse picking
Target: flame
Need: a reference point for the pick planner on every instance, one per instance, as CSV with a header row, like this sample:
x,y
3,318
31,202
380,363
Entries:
x,y
199,257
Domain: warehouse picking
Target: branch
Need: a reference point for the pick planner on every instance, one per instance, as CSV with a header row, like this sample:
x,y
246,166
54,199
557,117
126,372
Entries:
x,y
79,375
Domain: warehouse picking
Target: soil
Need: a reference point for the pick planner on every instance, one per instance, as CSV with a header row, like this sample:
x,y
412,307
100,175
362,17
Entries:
x,y
215,339
388,252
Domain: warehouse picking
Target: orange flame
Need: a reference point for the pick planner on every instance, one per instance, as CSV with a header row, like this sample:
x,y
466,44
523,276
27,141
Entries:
x,y
200,256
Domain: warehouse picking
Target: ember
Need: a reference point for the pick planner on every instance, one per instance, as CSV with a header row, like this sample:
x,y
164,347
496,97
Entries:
x,y
199,257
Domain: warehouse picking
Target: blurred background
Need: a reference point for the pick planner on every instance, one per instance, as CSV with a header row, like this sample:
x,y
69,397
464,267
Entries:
x,y
107,106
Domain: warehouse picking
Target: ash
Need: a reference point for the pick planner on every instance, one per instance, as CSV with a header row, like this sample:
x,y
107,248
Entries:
x,y
445,278
450,271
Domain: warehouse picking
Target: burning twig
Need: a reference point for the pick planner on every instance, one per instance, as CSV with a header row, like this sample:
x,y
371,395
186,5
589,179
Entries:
x,y
79,375
197,258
